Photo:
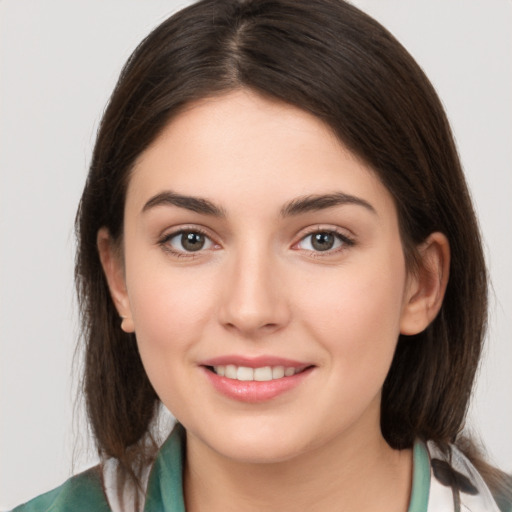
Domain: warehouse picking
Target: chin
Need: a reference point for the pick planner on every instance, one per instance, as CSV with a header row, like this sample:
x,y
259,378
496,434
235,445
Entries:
x,y
261,452
257,446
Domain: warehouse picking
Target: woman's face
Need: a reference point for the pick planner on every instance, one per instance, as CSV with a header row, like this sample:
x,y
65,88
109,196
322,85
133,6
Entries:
x,y
264,278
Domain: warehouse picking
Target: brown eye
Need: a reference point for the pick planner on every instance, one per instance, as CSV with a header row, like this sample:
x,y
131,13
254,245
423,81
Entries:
x,y
192,241
188,241
322,241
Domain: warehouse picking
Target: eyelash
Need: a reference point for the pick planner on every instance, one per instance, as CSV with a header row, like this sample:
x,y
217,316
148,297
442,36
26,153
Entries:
x,y
345,241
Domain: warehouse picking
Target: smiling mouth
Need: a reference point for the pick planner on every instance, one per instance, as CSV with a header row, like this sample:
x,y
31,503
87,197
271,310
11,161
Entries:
x,y
260,374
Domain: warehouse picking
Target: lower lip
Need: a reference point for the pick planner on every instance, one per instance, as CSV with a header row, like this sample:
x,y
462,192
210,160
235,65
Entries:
x,y
255,391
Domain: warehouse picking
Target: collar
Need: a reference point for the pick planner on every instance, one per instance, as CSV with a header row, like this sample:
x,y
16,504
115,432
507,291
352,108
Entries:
x,y
165,486
455,484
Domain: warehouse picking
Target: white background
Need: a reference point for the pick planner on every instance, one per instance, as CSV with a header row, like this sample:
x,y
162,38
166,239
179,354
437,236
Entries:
x,y
59,62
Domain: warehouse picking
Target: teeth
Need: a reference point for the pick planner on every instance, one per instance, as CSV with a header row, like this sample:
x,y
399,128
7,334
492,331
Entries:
x,y
264,373
230,372
278,372
288,372
244,373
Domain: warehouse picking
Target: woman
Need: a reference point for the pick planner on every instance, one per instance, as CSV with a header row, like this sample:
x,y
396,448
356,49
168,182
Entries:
x,y
276,242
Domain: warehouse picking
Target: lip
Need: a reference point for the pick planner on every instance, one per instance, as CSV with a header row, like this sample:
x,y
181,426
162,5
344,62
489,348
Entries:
x,y
255,391
253,362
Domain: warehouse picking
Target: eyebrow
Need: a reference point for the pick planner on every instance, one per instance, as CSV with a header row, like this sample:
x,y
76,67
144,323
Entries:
x,y
295,207
194,204
321,202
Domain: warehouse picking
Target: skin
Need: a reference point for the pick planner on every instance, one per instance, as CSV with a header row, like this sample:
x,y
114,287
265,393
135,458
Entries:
x,y
259,287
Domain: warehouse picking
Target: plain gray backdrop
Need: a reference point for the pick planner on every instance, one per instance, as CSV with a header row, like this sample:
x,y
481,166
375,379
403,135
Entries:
x,y
59,61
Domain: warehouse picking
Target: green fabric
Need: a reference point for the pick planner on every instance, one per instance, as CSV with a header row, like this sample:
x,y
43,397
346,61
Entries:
x,y
82,493
420,478
165,486
504,504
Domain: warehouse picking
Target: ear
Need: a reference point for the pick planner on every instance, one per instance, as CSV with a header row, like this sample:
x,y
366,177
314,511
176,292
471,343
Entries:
x,y
111,261
427,285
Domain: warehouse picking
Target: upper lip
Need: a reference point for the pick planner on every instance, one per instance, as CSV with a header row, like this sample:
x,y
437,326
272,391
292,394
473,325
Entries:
x,y
253,362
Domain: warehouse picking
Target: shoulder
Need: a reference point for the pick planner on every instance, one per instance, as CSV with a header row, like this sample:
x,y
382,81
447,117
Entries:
x,y
81,493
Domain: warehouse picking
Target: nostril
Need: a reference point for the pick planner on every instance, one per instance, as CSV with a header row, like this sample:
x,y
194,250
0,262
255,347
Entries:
x,y
252,328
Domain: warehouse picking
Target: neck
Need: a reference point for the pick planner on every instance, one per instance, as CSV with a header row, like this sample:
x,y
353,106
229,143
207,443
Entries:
x,y
351,473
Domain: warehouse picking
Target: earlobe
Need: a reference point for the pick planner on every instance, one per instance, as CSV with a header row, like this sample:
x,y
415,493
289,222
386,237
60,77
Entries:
x,y
426,287
112,264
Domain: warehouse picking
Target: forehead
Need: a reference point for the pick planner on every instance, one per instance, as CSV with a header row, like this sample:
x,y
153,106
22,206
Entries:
x,y
244,148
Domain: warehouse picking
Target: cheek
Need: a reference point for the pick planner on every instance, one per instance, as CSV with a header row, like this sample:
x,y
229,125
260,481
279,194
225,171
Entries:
x,y
169,306
355,314
171,310
356,321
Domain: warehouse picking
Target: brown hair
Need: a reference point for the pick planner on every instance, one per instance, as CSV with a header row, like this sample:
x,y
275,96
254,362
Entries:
x,y
330,59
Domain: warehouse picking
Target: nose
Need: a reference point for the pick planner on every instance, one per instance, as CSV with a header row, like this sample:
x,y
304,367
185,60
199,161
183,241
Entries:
x,y
254,299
